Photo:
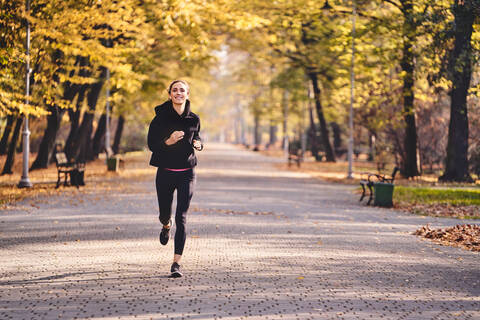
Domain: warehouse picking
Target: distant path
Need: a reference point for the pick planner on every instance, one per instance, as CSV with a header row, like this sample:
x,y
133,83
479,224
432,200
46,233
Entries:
x,y
262,244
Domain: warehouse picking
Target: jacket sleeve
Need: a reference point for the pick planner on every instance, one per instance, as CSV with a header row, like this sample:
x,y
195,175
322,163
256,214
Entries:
x,y
196,135
156,137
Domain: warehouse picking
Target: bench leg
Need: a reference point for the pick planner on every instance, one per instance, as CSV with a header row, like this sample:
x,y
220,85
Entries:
x,y
363,193
58,181
370,188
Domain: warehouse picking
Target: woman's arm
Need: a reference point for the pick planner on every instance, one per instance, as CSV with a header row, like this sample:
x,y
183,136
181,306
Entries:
x,y
156,138
197,141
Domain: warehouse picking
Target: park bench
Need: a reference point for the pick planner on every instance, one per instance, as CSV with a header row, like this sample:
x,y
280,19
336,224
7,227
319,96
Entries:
x,y
295,157
69,169
295,154
371,179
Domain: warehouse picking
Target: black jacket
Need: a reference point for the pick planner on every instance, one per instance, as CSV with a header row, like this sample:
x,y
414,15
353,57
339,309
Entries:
x,y
181,154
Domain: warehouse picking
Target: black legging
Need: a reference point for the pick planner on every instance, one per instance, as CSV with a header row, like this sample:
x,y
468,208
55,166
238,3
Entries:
x,y
183,182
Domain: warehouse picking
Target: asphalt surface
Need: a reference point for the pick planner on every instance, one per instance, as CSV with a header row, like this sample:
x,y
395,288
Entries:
x,y
261,244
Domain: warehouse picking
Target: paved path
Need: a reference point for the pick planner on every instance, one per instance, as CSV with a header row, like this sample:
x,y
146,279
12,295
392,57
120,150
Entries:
x,y
262,244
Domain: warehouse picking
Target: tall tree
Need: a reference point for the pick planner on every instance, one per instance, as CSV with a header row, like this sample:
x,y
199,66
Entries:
x,y
98,141
460,71
118,134
410,21
6,134
83,149
410,168
8,166
312,43
74,115
54,117
330,156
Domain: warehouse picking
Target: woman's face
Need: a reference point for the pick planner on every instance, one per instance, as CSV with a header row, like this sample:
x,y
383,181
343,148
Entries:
x,y
179,93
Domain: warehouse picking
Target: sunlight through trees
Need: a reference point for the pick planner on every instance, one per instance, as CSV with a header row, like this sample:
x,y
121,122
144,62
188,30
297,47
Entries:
x,y
267,73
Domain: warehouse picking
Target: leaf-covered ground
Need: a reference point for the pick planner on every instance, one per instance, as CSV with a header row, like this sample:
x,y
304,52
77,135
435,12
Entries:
x,y
441,210
96,178
466,236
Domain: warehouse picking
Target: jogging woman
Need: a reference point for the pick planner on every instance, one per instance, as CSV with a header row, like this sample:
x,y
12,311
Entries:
x,y
172,137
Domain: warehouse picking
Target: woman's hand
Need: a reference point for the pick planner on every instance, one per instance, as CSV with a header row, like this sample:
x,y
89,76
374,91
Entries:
x,y
175,137
197,144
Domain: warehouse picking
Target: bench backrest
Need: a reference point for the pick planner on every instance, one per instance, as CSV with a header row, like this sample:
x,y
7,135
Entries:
x,y
61,158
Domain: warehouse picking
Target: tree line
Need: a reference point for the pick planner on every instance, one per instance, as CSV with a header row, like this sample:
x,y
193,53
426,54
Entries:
x,y
411,59
78,48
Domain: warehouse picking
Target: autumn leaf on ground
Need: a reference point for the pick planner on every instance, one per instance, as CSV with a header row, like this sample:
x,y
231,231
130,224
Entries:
x,y
441,209
466,236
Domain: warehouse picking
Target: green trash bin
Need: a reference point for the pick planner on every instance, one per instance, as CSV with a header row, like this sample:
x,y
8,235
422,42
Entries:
x,y
383,194
112,164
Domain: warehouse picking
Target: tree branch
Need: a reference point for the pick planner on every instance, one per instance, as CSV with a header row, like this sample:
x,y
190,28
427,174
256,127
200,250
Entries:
x,y
394,4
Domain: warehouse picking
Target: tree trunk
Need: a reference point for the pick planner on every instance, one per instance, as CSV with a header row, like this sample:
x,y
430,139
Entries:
x,y
49,136
460,67
72,147
410,168
53,125
118,135
256,131
312,132
84,133
7,168
99,137
330,156
82,148
243,138
371,146
74,116
272,133
285,120
56,114
237,130
6,134
337,137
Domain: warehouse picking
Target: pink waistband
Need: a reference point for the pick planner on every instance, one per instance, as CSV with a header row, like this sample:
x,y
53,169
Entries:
x,y
177,170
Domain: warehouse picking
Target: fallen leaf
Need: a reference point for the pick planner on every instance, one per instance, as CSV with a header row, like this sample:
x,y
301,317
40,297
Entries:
x,y
466,236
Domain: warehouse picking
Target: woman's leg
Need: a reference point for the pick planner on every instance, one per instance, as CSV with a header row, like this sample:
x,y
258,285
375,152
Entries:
x,y
185,187
165,188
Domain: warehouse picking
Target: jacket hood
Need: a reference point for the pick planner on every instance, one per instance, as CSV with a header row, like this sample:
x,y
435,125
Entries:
x,y
169,105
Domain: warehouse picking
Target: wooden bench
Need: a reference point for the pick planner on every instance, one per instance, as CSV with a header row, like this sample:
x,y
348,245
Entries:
x,y
371,179
73,170
295,158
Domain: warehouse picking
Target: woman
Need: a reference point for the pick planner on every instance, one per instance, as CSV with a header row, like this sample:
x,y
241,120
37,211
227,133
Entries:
x,y
172,136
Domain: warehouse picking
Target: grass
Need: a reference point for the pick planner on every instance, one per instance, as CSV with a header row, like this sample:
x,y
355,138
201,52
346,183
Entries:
x,y
452,196
461,203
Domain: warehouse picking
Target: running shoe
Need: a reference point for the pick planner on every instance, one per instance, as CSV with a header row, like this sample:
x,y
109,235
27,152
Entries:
x,y
165,234
175,270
